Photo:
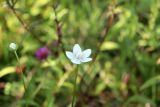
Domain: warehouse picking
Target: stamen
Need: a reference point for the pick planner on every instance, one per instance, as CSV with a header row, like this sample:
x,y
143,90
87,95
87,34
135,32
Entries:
x,y
79,55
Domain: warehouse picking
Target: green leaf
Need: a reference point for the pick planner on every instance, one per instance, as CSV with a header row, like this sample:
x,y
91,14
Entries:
x,y
150,82
6,71
100,87
139,99
109,45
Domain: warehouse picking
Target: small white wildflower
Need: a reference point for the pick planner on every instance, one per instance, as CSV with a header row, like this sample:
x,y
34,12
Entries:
x,y
78,56
13,46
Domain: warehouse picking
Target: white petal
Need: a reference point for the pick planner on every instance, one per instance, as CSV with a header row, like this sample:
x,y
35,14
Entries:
x,y
86,59
86,53
76,49
69,55
76,61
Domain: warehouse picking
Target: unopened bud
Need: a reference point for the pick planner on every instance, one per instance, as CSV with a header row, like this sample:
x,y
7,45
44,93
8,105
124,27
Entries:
x,y
13,46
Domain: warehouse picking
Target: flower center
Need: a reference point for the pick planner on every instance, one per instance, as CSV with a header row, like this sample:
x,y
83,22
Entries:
x,y
79,55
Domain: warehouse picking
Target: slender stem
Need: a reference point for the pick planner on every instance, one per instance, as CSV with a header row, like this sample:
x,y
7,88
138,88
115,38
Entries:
x,y
59,31
74,91
154,87
22,22
104,34
22,75
40,85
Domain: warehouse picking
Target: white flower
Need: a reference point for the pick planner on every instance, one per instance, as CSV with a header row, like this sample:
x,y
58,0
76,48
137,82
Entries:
x,y
78,56
13,46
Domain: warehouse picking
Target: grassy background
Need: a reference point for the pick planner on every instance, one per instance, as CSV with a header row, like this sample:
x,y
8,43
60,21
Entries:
x,y
124,36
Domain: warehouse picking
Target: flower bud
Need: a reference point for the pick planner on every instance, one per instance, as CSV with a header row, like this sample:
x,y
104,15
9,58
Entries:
x,y
42,53
13,46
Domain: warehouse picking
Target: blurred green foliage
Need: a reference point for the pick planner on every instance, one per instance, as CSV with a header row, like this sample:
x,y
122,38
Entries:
x,y
126,72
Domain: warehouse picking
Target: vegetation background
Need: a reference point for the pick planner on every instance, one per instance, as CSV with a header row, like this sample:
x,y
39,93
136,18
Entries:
x,y
124,36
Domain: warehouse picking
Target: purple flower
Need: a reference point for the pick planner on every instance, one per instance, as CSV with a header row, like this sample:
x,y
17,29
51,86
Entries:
x,y
42,53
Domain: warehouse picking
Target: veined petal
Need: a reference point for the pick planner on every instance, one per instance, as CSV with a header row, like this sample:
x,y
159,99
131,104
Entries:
x,y
86,53
76,61
86,59
70,55
76,49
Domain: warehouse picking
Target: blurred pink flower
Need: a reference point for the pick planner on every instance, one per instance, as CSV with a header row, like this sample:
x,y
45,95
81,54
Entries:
x,y
42,53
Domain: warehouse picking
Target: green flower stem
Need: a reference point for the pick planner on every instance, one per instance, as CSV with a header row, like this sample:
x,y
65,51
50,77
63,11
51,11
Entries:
x,y
40,85
154,86
22,75
74,90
